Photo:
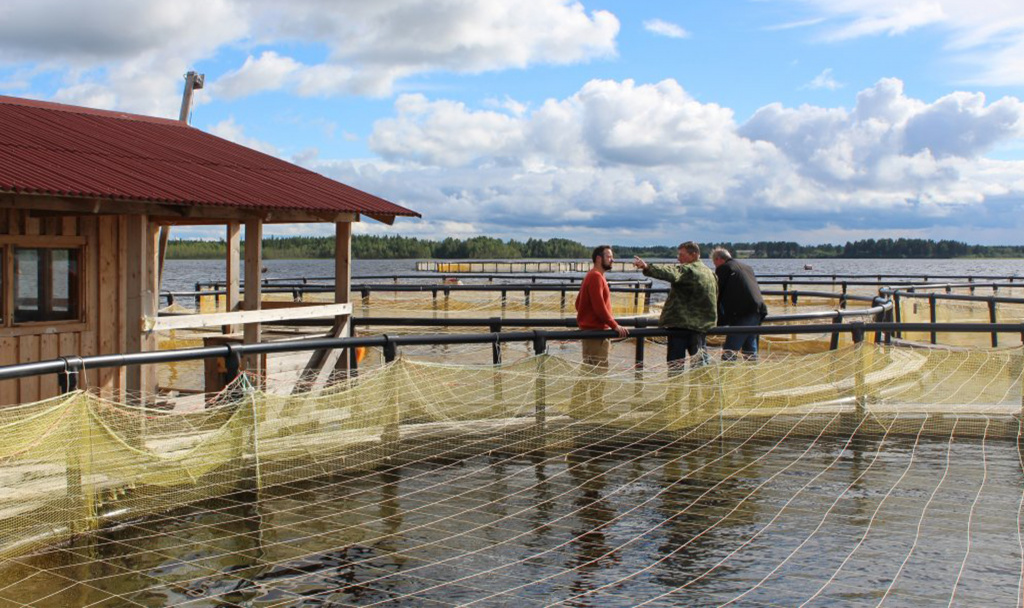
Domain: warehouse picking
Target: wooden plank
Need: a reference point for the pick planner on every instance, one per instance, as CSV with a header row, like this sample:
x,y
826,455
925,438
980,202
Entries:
x,y
68,345
32,225
107,332
69,226
14,222
232,280
88,342
28,352
8,356
42,329
248,317
253,287
342,285
136,285
150,299
50,226
164,213
43,241
49,348
7,267
120,377
322,362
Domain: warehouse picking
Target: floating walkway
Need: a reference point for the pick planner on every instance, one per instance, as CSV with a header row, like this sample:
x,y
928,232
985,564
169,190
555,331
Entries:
x,y
522,266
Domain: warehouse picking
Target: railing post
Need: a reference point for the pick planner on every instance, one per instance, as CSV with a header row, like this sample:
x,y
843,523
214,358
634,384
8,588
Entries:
x,y
496,346
540,343
858,332
932,315
562,306
67,380
834,342
639,354
232,364
647,297
526,299
897,314
390,350
992,319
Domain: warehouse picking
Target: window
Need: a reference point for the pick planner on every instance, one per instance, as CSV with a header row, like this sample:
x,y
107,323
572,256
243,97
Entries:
x,y
46,284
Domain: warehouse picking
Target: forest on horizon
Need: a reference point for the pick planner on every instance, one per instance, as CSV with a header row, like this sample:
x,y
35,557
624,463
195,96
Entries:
x,y
480,248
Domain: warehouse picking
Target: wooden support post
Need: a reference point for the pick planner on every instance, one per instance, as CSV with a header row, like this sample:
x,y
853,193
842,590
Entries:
x,y
141,251
231,281
253,286
322,362
165,234
342,281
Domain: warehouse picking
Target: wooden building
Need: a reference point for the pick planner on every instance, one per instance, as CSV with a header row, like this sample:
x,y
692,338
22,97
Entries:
x,y
84,198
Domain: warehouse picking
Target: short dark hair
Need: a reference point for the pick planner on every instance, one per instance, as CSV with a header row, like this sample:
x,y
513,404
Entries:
x,y
691,247
599,252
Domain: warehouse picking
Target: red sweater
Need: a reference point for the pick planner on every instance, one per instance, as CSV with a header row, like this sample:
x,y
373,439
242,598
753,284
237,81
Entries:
x,y
594,303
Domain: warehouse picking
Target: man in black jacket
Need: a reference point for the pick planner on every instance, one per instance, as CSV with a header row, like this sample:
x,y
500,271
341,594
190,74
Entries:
x,y
739,303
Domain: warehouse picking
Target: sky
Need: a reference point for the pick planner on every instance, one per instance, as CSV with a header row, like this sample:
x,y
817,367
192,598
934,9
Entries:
x,y
602,121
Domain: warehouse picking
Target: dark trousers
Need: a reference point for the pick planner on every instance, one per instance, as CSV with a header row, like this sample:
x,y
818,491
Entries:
x,y
682,342
745,343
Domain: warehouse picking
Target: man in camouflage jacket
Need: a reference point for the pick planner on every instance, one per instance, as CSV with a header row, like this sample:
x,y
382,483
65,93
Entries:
x,y
691,307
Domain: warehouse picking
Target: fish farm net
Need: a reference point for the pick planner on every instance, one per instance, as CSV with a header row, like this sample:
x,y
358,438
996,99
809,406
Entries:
x,y
864,476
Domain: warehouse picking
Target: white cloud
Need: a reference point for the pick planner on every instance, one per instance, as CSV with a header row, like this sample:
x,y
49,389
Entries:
x,y
990,37
108,53
665,28
137,52
374,44
824,80
232,131
648,162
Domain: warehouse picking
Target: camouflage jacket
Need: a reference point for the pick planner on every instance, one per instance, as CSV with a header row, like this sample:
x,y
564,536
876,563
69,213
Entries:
x,y
693,295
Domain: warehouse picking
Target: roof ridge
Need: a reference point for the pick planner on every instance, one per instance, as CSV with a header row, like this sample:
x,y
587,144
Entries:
x,y
61,107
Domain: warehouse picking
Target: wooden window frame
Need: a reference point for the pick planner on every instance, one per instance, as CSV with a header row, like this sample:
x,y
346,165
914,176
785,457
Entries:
x,y
8,245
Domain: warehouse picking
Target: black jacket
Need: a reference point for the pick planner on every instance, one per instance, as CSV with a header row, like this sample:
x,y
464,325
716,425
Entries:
x,y
738,293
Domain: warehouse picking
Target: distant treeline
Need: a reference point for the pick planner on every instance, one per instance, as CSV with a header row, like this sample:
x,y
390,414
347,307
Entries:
x,y
482,247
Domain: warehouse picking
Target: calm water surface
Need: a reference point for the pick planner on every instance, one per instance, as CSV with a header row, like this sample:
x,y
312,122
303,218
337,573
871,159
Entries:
x,y
181,275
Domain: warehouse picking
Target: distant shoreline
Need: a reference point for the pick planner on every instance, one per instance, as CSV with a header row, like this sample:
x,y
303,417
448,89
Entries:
x,y
365,247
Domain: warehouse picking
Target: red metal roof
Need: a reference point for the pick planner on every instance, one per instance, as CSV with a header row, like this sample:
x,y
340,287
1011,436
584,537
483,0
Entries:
x,y
55,149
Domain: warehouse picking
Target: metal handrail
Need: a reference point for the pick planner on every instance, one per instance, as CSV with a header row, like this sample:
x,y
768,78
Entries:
x,y
539,338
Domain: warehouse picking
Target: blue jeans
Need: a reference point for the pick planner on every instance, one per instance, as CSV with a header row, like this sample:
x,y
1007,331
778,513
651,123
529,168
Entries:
x,y
745,343
682,342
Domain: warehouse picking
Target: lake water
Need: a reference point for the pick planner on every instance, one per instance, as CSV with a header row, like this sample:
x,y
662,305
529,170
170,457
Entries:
x,y
181,275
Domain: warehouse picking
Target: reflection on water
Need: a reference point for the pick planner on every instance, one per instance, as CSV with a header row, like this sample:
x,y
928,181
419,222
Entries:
x,y
608,523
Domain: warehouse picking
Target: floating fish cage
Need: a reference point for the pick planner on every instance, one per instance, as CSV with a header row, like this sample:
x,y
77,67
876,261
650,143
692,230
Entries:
x,y
863,475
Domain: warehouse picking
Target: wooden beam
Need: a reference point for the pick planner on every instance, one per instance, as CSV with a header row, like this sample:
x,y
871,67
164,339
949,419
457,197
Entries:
x,y
165,233
234,248
342,282
43,205
382,218
248,317
140,252
253,285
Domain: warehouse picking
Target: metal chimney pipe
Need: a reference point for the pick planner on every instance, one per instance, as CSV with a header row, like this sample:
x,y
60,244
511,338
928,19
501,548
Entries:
x,y
193,82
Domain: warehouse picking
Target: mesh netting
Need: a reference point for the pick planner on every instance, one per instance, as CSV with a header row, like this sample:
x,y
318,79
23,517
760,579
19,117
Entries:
x,y
865,475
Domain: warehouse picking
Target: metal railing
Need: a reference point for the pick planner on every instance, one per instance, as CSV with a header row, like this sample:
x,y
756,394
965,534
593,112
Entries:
x,y
67,368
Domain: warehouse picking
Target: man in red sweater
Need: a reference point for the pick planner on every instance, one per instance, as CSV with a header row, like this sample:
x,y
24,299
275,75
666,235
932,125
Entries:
x,y
594,308
594,311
